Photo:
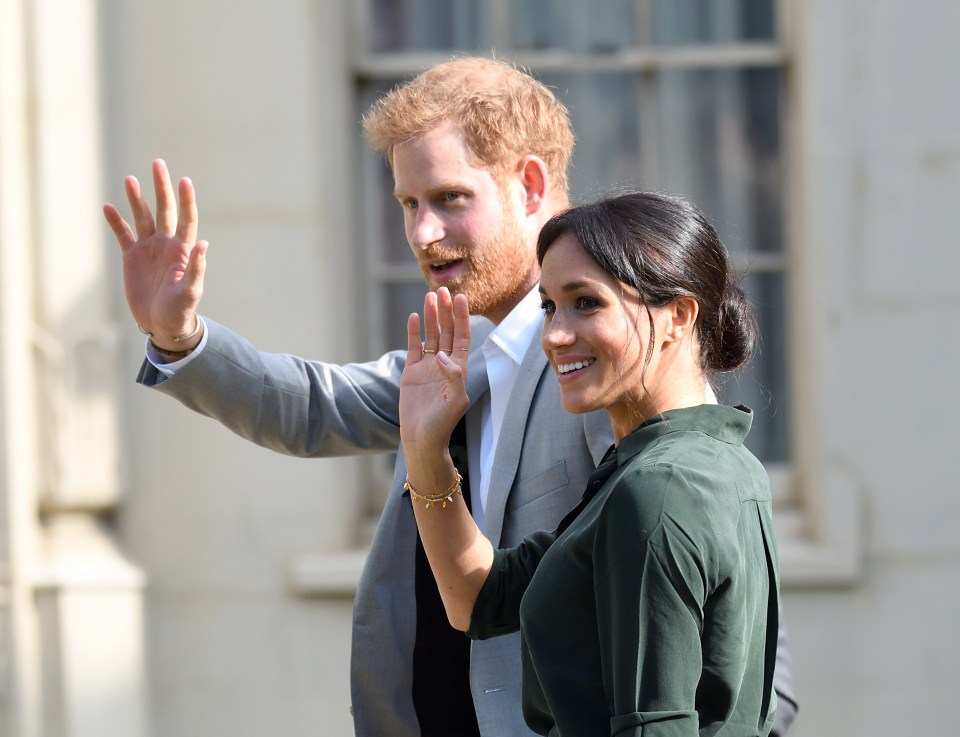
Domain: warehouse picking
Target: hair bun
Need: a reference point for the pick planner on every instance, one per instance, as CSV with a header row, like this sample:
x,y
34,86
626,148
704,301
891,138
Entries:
x,y
736,335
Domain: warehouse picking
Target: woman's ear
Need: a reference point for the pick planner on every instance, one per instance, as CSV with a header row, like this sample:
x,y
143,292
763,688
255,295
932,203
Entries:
x,y
681,318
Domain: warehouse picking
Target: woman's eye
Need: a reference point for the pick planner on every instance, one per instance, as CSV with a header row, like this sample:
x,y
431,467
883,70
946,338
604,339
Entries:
x,y
587,303
548,307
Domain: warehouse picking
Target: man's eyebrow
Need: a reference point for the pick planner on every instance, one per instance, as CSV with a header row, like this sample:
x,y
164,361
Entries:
x,y
435,189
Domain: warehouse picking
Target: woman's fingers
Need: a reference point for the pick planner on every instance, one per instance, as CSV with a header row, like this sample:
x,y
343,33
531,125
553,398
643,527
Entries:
x,y
414,346
446,325
460,343
445,310
431,324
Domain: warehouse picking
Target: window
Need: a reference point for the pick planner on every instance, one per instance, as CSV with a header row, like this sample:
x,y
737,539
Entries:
x,y
682,96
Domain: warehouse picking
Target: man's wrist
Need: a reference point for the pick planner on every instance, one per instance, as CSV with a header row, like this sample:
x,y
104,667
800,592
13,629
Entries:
x,y
177,346
176,355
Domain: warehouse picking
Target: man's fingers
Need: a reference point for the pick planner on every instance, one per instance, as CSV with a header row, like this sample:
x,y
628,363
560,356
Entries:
x,y
187,216
197,267
166,213
142,217
118,225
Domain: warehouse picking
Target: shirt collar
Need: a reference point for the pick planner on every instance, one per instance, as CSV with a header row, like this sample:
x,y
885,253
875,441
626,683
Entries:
x,y
727,424
515,332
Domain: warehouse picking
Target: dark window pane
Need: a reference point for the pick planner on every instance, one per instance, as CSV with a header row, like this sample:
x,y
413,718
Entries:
x,y
400,300
711,134
719,145
762,385
574,25
384,226
389,228
604,110
678,22
430,25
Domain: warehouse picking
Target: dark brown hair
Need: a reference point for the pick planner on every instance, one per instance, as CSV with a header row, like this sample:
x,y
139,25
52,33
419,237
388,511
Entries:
x,y
664,247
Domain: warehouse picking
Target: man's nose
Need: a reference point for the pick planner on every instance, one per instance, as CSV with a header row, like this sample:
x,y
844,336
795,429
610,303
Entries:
x,y
427,228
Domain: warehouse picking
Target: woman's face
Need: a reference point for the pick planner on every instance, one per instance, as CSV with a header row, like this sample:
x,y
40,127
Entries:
x,y
596,334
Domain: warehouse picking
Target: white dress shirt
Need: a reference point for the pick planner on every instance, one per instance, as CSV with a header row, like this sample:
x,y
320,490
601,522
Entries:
x,y
503,350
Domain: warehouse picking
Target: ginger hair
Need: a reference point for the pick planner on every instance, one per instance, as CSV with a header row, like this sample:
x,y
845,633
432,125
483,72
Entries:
x,y
503,113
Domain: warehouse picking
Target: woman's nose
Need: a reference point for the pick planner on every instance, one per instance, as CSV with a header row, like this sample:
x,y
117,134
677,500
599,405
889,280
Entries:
x,y
556,332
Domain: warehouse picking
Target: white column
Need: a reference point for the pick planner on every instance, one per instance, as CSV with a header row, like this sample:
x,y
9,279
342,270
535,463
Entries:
x,y
89,602
72,655
20,699
74,333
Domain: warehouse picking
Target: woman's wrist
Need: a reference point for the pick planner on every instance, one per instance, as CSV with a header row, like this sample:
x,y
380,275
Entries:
x,y
430,472
442,498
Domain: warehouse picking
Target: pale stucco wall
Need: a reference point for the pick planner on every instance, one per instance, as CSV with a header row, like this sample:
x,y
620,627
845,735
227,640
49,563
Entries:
x,y
877,186
253,101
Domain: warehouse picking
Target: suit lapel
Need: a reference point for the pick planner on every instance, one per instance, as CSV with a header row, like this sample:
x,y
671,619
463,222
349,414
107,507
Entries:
x,y
506,457
477,382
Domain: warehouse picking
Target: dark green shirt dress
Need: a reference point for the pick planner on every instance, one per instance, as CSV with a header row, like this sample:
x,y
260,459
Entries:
x,y
652,609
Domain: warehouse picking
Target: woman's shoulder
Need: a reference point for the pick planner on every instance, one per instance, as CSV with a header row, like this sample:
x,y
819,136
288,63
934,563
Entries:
x,y
689,476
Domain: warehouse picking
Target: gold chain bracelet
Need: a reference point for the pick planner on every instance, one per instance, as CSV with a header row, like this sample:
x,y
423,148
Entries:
x,y
442,498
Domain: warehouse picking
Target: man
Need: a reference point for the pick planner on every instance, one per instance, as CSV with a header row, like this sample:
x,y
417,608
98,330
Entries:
x,y
479,152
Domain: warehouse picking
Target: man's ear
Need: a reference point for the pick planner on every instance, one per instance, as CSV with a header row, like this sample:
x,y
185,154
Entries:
x,y
535,180
681,317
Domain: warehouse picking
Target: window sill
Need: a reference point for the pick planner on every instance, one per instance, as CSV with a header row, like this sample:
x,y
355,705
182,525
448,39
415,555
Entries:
x,y
820,544
803,565
327,575
816,550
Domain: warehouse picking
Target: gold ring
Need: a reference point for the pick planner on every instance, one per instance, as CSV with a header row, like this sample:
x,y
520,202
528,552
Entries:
x,y
428,350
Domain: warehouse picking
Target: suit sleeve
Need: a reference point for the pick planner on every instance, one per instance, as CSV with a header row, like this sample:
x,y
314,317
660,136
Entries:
x,y
287,404
783,685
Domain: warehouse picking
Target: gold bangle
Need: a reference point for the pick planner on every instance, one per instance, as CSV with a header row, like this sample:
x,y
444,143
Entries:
x,y
442,498
176,338
181,338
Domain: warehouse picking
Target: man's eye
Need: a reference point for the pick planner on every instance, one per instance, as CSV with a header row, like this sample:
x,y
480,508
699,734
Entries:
x,y
450,196
410,204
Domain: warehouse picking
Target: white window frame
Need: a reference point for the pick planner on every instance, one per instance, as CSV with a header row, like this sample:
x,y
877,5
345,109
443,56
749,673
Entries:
x,y
816,514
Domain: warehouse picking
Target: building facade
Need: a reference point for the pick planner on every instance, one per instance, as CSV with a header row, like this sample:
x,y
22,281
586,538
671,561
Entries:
x,y
161,577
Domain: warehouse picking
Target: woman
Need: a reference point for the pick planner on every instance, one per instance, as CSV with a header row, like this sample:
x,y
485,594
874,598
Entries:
x,y
652,608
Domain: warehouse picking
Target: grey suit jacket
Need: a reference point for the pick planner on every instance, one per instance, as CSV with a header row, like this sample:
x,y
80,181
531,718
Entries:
x,y
304,408
543,458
